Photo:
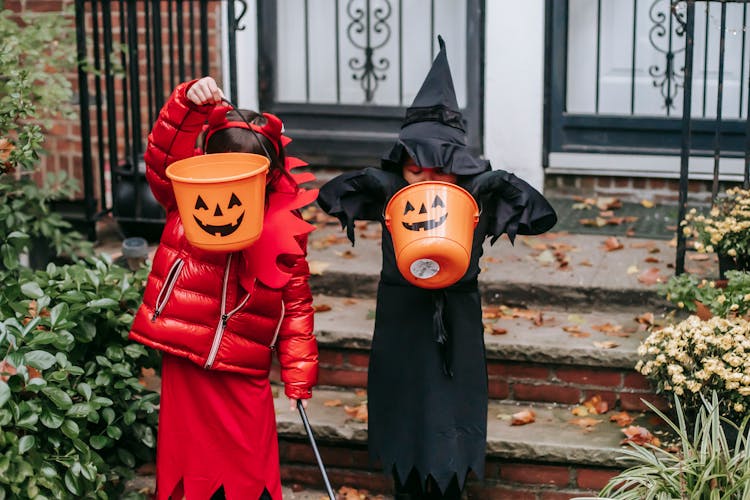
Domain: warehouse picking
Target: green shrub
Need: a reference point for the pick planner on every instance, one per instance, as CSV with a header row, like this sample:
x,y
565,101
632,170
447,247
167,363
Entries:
x,y
74,419
733,299
703,465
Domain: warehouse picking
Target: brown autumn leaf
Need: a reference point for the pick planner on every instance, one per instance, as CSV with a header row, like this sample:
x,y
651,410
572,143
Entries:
x,y
523,417
639,435
580,411
607,344
586,263
358,412
703,312
608,203
598,222
646,319
611,244
651,276
575,331
33,372
331,403
492,260
596,406
606,214
317,267
698,256
607,328
652,260
319,308
351,301
496,330
346,254
622,418
360,393
584,422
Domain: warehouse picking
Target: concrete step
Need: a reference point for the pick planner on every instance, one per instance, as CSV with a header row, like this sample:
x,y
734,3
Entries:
x,y
556,269
546,355
550,456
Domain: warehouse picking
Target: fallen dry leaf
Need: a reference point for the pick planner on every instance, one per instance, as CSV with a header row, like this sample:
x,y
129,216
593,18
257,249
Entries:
x,y
703,312
358,412
632,270
580,411
651,276
346,254
523,417
317,267
596,406
6,370
598,222
698,256
360,393
321,308
332,403
645,319
608,203
496,330
607,344
586,263
611,244
584,422
622,418
351,301
575,331
648,203
639,435
652,260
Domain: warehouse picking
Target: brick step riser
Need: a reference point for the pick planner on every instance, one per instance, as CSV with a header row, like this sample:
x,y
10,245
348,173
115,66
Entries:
x,y
621,388
550,296
349,465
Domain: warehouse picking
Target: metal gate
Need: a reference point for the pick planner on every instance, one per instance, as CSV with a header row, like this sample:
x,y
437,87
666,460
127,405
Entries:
x,y
340,73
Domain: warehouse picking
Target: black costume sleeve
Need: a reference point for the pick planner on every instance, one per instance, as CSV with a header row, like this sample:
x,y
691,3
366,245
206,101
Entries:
x,y
359,195
513,205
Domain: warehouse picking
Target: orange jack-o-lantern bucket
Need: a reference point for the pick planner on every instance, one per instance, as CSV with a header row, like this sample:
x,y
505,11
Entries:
x,y
432,227
221,199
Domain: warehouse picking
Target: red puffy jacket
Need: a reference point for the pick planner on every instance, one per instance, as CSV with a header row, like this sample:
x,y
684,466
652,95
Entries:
x,y
195,305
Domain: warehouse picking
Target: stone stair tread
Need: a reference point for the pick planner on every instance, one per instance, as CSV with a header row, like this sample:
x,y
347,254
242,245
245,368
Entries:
x,y
593,276
551,438
349,324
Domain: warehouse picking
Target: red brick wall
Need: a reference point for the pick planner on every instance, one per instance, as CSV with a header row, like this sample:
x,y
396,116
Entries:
x,y
63,138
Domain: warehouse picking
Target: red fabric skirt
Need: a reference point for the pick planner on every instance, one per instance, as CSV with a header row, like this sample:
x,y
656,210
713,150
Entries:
x,y
215,429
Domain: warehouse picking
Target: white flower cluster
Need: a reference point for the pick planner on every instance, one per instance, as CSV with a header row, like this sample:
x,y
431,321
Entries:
x,y
695,357
727,222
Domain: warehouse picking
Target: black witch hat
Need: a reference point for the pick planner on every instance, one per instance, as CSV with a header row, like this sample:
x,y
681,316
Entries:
x,y
433,132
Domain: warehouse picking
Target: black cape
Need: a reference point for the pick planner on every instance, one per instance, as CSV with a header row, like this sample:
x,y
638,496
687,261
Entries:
x,y
427,386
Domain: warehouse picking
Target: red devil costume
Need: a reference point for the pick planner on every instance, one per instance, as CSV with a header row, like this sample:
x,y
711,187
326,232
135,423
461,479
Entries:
x,y
218,317
427,385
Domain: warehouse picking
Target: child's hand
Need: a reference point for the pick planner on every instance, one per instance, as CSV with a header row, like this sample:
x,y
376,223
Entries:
x,y
293,403
205,91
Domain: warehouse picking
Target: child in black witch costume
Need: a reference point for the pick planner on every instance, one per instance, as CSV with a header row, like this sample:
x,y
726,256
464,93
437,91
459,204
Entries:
x,y
427,385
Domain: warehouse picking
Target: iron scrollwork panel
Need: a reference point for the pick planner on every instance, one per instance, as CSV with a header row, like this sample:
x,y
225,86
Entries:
x,y
671,78
368,30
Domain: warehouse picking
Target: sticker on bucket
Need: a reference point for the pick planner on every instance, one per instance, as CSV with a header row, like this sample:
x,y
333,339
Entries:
x,y
424,268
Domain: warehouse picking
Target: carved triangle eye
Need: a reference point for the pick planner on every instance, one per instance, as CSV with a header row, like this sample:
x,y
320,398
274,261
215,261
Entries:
x,y
438,202
234,201
409,208
422,209
200,204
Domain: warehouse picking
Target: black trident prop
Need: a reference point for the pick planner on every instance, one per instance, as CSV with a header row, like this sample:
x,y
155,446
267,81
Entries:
x,y
306,423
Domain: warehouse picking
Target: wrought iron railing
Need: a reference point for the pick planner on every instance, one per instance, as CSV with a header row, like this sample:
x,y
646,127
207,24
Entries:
x,y
687,22
131,54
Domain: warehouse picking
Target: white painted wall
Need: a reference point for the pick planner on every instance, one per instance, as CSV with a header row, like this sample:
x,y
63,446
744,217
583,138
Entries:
x,y
514,88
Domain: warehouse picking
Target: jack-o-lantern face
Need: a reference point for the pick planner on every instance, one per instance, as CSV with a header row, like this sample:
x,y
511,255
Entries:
x,y
425,219
219,222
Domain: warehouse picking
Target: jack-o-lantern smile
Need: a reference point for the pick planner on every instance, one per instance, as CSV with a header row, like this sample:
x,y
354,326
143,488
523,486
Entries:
x,y
424,224
215,227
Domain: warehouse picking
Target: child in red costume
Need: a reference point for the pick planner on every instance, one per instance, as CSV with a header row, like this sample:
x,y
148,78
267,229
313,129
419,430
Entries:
x,y
218,317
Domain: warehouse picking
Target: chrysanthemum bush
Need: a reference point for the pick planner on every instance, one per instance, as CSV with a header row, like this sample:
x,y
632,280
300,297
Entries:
x,y
694,358
725,229
728,298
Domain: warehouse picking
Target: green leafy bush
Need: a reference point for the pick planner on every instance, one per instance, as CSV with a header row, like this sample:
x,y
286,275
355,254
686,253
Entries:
x,y
38,52
703,465
730,299
74,419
